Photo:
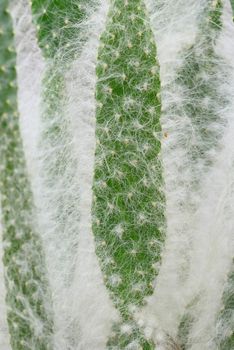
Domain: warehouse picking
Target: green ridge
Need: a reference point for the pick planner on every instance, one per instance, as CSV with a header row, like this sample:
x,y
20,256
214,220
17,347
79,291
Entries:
x,y
58,24
28,299
128,216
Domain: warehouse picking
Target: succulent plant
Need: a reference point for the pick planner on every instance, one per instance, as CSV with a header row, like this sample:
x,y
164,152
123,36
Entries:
x,y
116,227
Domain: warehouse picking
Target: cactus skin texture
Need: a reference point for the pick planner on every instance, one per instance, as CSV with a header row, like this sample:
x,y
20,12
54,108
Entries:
x,y
28,300
128,219
58,24
54,27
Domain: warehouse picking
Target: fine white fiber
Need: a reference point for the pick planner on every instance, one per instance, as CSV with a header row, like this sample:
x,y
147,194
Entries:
x,y
213,250
27,297
91,308
4,332
197,111
30,68
83,314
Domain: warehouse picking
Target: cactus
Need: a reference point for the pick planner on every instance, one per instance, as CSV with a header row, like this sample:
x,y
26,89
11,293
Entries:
x,y
128,217
137,148
29,310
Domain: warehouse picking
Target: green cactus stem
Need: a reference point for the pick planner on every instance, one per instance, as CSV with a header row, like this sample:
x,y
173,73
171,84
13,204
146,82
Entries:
x,y
128,215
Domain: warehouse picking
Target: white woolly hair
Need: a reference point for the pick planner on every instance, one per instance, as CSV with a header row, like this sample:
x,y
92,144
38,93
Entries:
x,y
30,66
83,313
213,250
199,249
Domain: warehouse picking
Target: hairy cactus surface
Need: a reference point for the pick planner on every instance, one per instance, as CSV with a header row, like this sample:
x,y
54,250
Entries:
x,y
59,23
195,81
196,78
116,174
64,31
61,36
128,200
194,98
28,299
